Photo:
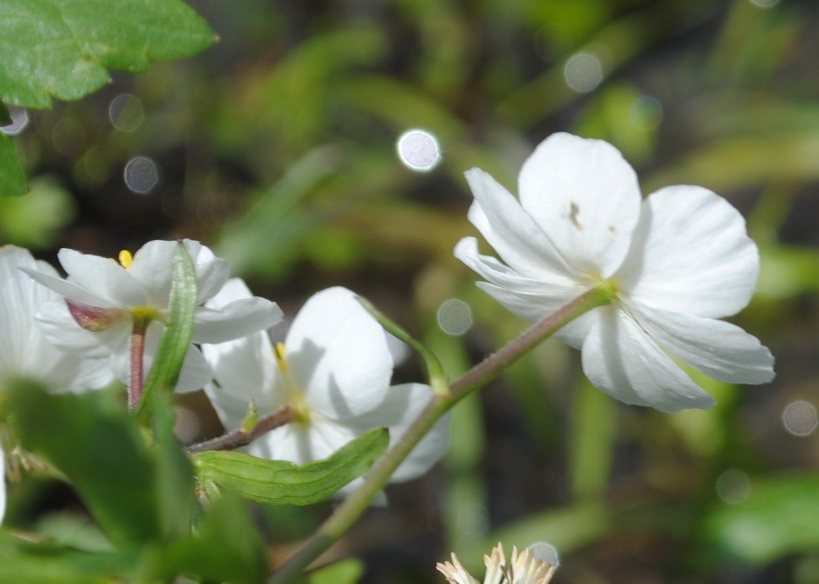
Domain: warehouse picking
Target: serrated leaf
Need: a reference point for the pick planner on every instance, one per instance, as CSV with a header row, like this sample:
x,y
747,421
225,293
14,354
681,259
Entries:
x,y
12,176
277,482
176,339
63,48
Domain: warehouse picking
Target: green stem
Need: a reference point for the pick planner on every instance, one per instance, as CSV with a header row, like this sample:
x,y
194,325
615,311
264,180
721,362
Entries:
x,y
354,506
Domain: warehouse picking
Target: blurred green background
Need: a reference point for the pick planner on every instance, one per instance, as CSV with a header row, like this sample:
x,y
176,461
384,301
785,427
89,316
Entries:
x,y
277,147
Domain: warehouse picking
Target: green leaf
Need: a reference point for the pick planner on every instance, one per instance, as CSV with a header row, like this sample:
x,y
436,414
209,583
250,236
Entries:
x,y
12,176
276,482
62,48
777,518
227,547
175,482
35,221
50,563
347,571
5,115
175,341
96,443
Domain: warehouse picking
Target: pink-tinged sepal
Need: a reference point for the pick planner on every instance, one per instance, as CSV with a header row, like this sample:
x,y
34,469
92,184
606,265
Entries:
x,y
94,318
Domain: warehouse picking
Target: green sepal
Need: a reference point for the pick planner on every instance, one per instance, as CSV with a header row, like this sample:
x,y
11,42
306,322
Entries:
x,y
276,482
176,339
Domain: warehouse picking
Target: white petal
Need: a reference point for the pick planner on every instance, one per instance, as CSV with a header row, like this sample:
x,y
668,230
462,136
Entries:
x,y
530,299
61,330
338,354
153,269
691,254
69,290
211,272
586,197
512,232
401,406
620,359
101,277
237,319
303,443
245,370
719,349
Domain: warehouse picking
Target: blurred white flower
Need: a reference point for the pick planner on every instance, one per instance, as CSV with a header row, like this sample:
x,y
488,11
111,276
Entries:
x,y
678,260
334,369
522,568
24,350
102,298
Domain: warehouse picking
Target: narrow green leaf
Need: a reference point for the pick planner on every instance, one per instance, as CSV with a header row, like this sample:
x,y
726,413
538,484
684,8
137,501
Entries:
x,y
62,48
96,443
227,547
5,115
12,176
175,341
276,482
776,518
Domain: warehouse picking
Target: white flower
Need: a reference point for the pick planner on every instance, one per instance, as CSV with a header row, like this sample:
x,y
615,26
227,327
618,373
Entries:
x,y
102,297
334,368
678,260
24,350
522,568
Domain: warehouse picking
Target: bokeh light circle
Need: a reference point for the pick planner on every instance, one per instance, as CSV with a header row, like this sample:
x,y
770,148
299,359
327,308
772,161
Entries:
x,y
141,175
583,72
454,316
418,150
800,418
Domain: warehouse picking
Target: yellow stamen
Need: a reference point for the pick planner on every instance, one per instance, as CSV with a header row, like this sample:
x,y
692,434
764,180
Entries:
x,y
126,259
279,351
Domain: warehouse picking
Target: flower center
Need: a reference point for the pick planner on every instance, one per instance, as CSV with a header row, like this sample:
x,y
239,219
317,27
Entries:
x,y
293,394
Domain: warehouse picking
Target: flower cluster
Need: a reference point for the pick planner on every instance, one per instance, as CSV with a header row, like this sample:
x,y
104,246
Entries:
x,y
522,568
677,261
77,334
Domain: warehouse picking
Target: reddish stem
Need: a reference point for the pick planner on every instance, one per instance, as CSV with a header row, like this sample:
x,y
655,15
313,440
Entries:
x,y
137,355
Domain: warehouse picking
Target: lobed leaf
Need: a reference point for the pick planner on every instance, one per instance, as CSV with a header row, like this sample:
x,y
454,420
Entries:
x,y
277,482
63,48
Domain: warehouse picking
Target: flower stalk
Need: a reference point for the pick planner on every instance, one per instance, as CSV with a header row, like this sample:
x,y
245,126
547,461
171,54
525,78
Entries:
x,y
354,506
136,383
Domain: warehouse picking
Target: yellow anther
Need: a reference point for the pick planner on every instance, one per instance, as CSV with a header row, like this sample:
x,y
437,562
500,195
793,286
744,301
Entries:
x,y
126,259
279,351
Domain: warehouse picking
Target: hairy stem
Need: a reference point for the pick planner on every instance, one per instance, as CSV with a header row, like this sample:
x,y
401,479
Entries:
x,y
137,356
352,508
241,437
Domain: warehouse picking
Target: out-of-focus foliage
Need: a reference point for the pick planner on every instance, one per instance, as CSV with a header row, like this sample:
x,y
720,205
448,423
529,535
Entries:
x,y
63,49
278,147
